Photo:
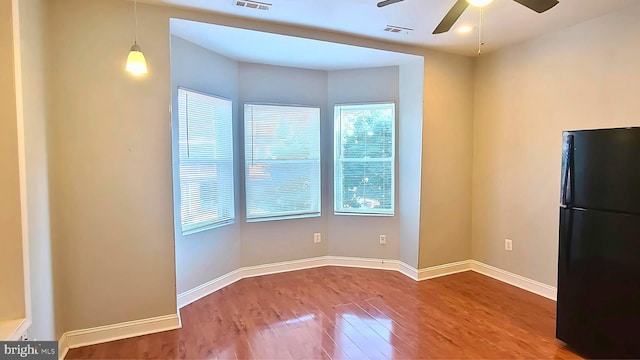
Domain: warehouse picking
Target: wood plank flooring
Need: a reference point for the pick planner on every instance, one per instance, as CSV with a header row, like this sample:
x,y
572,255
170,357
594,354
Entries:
x,y
349,313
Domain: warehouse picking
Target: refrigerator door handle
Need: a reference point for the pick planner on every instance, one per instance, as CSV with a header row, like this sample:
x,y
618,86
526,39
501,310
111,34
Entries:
x,y
567,176
568,237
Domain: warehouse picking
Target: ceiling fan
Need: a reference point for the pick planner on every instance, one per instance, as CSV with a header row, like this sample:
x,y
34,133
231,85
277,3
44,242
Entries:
x,y
460,6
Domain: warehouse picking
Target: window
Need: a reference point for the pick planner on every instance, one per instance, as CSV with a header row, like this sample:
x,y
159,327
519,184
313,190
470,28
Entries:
x,y
364,159
205,150
282,161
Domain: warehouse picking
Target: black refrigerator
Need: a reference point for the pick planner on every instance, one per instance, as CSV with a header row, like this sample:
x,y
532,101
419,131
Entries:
x,y
598,308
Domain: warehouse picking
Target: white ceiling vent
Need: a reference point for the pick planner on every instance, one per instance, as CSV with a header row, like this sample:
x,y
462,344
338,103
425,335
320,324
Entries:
x,y
397,29
253,4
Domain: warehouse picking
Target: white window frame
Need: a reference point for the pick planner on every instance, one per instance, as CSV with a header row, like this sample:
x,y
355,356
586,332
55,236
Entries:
x,y
227,163
284,215
339,209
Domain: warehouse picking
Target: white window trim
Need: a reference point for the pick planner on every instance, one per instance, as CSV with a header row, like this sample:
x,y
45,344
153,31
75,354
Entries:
x,y
206,225
337,182
283,215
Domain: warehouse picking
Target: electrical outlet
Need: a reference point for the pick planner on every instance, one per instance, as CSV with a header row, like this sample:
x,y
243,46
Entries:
x,y
383,239
24,337
317,238
508,244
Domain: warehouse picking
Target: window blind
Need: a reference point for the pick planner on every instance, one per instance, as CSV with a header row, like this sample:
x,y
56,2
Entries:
x,y
365,159
282,161
206,160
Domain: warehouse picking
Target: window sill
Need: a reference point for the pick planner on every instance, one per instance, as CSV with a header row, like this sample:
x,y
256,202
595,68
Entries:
x,y
285,217
362,214
206,228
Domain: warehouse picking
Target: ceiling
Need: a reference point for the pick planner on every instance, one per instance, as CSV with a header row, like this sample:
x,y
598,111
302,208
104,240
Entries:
x,y
505,21
281,50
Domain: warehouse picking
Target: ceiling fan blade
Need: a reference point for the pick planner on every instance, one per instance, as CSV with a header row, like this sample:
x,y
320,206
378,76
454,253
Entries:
x,y
452,16
388,2
538,6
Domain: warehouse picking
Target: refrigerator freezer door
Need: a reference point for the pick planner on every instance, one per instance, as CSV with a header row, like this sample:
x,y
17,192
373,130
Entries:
x,y
599,283
606,169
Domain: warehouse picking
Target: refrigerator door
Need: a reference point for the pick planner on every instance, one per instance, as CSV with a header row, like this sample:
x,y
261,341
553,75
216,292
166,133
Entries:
x,y
601,170
598,308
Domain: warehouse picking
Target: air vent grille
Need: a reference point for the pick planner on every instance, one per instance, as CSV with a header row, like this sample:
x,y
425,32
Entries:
x,y
257,5
397,29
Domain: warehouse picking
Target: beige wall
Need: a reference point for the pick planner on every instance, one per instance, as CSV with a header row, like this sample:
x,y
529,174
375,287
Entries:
x,y
12,284
282,240
34,97
203,256
410,98
353,235
109,145
447,133
583,77
110,162
207,255
110,159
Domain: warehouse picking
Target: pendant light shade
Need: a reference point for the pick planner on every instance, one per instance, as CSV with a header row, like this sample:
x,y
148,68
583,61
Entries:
x,y
136,63
479,3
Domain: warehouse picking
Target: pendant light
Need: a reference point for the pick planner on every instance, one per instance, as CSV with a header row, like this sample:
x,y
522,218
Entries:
x,y
136,64
479,3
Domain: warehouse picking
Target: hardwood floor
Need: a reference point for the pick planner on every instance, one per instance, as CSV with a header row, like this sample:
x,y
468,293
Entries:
x,y
349,313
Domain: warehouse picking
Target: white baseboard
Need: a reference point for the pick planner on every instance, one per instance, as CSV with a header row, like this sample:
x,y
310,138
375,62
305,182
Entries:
x,y
77,338
205,289
408,270
63,347
443,270
102,334
522,282
368,263
227,279
510,278
284,266
363,263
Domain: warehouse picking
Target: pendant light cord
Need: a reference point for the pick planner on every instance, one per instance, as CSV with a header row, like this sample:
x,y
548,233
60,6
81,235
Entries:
x,y
135,14
480,41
